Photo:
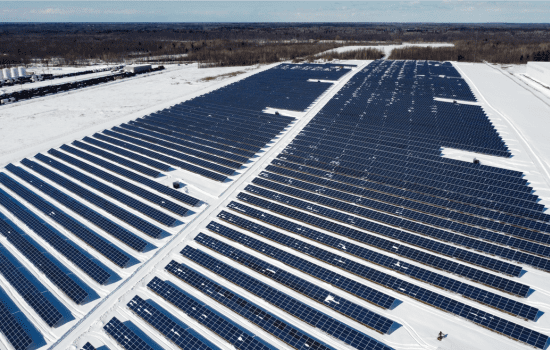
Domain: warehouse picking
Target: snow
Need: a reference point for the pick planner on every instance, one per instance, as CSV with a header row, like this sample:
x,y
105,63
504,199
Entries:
x,y
519,110
387,49
34,125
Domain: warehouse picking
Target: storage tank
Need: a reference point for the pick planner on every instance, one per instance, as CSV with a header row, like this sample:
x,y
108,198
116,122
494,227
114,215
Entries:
x,y
6,73
14,73
22,71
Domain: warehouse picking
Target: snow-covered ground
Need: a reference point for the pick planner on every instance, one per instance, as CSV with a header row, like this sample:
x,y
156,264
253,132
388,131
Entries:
x,y
388,48
30,126
519,111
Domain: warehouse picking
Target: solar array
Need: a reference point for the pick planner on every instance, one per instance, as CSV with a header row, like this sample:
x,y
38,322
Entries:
x,y
368,168
89,201
356,216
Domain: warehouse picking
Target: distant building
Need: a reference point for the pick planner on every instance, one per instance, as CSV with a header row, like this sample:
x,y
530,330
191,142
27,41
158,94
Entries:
x,y
539,71
138,69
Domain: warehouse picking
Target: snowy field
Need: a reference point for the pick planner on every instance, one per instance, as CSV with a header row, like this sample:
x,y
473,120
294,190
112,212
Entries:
x,y
519,110
33,125
388,48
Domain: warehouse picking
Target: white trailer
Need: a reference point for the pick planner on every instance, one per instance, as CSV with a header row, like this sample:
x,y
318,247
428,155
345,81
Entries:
x,y
138,69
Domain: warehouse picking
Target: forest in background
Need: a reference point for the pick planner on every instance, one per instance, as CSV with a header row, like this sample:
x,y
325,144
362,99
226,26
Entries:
x,y
223,44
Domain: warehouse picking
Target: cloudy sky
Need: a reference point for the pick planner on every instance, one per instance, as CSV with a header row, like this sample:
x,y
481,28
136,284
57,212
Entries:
x,y
448,11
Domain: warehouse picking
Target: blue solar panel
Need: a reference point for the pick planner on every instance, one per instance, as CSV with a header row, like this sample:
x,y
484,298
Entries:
x,y
115,210
364,237
12,330
311,290
482,296
213,148
291,305
29,292
91,238
416,222
88,346
95,218
115,180
27,247
182,197
122,161
162,323
187,150
125,153
124,336
55,239
109,191
183,165
204,315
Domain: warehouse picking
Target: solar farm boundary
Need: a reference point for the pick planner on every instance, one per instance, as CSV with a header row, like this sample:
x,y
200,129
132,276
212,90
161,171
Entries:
x,y
208,213
540,165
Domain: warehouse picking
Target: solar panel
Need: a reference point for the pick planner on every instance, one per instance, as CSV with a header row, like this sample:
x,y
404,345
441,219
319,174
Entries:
x,y
128,186
29,292
167,327
465,214
12,330
27,247
127,154
365,237
95,218
89,237
262,318
182,197
109,191
178,147
122,161
213,148
203,139
183,165
55,239
124,336
201,313
88,346
292,306
414,222
480,295
309,289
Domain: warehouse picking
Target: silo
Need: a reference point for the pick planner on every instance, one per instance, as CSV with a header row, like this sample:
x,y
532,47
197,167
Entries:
x,y
14,73
22,71
6,73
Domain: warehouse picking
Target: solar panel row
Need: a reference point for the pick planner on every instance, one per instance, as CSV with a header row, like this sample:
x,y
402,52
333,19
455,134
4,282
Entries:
x,y
16,335
86,235
464,214
287,303
205,316
487,298
28,291
365,237
265,320
133,220
55,239
182,197
95,218
413,221
115,180
43,263
167,327
309,289
109,191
